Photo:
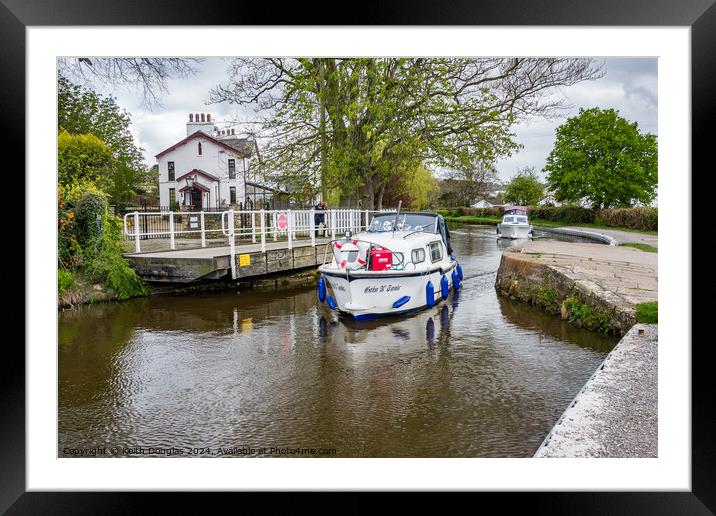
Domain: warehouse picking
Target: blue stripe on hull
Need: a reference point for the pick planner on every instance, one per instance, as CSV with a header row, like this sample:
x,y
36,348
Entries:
x,y
367,317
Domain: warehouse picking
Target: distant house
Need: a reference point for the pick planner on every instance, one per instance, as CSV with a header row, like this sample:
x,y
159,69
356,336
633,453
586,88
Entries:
x,y
209,169
549,200
482,203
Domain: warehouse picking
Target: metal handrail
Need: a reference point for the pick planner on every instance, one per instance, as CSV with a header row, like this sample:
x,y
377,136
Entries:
x,y
298,222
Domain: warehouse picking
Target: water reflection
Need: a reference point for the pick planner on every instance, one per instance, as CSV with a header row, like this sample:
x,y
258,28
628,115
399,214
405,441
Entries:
x,y
477,375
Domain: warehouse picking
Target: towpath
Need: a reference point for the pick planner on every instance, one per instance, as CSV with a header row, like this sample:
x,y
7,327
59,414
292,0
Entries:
x,y
616,412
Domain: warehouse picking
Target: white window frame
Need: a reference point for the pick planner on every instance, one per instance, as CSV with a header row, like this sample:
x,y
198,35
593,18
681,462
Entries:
x,y
439,246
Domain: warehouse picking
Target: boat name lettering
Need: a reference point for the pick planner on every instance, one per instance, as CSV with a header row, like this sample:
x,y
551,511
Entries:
x,y
375,289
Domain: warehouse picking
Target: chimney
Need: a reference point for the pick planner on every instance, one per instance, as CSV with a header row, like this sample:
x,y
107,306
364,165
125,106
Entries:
x,y
199,122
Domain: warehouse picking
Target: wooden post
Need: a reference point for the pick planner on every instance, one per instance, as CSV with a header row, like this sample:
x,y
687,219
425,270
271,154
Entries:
x,y
203,230
312,225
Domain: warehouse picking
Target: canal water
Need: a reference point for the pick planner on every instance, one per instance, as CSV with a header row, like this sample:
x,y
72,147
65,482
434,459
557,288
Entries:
x,y
273,373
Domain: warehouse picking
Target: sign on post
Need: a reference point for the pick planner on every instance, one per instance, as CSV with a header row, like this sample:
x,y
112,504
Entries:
x,y
282,221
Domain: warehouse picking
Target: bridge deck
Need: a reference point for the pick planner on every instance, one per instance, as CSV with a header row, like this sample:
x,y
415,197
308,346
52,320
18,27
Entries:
x,y
211,263
213,252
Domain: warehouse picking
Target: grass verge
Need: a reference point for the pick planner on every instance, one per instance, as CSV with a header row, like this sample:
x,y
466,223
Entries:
x,y
472,219
644,247
647,313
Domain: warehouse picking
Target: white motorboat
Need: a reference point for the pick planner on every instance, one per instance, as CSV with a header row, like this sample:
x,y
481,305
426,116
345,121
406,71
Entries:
x,y
514,223
402,263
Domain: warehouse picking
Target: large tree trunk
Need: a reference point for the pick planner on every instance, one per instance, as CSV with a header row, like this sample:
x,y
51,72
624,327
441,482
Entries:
x,y
379,199
368,196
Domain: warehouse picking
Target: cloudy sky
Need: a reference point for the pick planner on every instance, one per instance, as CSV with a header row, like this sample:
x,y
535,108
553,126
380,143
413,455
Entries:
x,y
629,85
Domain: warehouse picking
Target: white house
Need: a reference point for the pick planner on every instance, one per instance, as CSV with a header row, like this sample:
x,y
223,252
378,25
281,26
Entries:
x,y
482,203
549,200
209,169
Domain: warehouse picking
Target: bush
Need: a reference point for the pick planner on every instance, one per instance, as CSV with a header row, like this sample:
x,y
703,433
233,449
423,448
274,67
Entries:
x,y
121,207
91,209
480,212
65,280
587,317
84,248
104,261
645,218
566,214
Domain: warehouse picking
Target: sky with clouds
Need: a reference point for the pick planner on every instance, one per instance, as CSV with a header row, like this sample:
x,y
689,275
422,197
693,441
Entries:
x,y
629,85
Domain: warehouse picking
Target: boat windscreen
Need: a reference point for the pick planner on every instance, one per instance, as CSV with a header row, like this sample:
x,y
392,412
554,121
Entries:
x,y
406,222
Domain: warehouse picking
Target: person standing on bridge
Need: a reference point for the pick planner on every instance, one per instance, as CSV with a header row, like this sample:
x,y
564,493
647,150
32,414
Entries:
x,y
320,216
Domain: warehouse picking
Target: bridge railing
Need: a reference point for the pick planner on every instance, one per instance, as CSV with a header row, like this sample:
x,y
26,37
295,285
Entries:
x,y
255,226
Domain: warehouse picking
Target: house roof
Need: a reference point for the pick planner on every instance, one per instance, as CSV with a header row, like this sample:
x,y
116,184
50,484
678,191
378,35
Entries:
x,y
198,186
265,187
199,172
202,134
245,146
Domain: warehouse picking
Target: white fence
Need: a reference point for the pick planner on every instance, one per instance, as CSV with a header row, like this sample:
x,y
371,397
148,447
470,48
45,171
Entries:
x,y
259,226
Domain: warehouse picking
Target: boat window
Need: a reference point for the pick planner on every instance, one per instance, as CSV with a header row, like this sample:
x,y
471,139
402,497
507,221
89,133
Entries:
x,y
522,220
418,255
406,222
436,252
508,219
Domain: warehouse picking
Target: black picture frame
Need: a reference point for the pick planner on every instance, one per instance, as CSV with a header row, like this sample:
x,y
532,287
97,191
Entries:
x,y
700,15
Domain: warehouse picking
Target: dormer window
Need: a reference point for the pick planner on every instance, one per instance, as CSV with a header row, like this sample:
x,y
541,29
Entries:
x,y
198,148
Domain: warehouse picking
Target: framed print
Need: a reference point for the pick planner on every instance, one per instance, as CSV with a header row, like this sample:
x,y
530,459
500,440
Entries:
x,y
236,190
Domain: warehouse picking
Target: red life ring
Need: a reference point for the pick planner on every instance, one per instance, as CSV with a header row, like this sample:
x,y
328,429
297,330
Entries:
x,y
350,247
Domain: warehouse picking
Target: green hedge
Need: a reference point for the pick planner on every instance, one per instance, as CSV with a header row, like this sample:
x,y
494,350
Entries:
x,y
643,218
566,214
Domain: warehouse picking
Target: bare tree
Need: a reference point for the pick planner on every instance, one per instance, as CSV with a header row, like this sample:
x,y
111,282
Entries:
x,y
472,183
148,73
370,117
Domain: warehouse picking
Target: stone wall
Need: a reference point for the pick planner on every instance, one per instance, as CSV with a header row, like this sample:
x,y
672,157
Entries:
x,y
598,292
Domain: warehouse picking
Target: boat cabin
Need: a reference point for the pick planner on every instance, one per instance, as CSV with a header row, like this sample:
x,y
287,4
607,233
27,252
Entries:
x,y
512,209
407,241
412,222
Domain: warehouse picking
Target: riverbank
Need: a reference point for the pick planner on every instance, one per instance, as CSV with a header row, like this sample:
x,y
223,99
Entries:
x,y
591,285
84,292
618,234
616,412
88,293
